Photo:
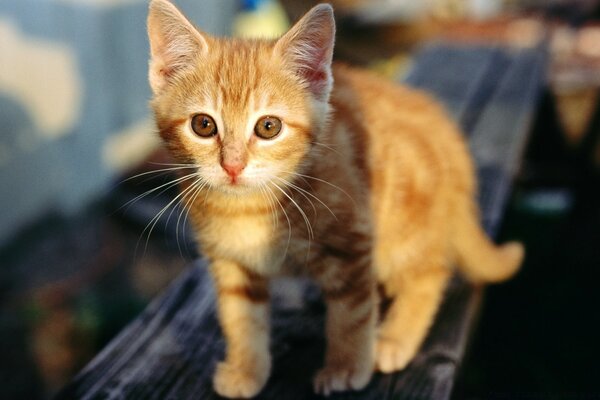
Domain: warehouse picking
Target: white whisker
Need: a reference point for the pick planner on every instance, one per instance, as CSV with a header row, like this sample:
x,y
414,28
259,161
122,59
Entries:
x,y
166,187
298,188
193,201
198,184
306,221
286,217
157,171
174,164
292,186
156,218
327,147
323,181
273,212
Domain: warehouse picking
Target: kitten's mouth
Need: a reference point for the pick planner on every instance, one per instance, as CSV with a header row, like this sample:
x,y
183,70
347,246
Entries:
x,y
234,181
236,185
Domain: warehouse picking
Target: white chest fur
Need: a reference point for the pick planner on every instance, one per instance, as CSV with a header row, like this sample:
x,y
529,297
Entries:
x,y
246,239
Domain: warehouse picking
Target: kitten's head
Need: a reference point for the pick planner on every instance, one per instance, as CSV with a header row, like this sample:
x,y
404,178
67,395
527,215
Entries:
x,y
244,111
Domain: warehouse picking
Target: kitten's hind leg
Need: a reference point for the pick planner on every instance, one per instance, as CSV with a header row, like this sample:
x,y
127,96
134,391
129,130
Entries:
x,y
409,316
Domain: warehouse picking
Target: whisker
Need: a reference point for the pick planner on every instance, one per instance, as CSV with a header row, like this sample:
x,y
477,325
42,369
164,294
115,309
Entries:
x,y
191,204
186,208
323,181
271,206
156,171
166,187
309,226
156,218
306,221
327,147
286,217
311,195
210,187
172,164
291,185
193,201
181,203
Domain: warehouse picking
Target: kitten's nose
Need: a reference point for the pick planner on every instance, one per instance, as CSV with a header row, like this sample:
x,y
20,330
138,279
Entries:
x,y
233,169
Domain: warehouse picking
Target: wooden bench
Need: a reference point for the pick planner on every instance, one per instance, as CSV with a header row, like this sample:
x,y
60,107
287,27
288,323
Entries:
x,y
170,350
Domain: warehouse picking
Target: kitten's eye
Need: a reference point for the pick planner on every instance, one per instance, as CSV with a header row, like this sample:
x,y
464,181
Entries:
x,y
267,127
203,125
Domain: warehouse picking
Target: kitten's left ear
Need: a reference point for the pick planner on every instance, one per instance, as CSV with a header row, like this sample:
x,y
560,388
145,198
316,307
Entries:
x,y
174,43
308,49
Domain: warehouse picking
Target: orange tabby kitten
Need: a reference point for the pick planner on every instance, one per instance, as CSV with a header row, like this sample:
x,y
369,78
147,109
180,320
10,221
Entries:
x,y
355,184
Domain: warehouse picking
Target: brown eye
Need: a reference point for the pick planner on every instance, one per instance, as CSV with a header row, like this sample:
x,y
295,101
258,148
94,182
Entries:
x,y
267,127
203,125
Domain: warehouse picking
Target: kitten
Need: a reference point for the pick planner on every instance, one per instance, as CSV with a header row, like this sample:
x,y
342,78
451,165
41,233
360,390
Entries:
x,y
357,184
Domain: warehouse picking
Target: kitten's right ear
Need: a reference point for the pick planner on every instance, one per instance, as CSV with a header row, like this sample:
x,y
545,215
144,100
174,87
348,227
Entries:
x,y
174,43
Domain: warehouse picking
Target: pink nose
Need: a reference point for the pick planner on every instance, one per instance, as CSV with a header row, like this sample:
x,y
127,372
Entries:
x,y
233,169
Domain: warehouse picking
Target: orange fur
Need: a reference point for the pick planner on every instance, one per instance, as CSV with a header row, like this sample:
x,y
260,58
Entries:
x,y
367,182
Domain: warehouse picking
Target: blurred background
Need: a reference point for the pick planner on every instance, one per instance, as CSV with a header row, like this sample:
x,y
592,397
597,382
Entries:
x,y
79,257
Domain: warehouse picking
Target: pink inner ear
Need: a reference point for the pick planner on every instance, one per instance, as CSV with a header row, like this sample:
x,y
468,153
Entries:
x,y
313,66
317,80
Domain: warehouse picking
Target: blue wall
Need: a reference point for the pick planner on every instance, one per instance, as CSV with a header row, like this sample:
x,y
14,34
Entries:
x,y
72,73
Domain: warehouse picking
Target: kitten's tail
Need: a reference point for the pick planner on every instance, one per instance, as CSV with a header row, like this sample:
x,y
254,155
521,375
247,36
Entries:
x,y
480,260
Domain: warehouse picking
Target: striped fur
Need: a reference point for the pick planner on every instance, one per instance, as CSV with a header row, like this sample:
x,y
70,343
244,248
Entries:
x,y
367,183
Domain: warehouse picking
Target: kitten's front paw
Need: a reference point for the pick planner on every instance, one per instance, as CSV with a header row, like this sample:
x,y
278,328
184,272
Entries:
x,y
234,382
330,379
392,355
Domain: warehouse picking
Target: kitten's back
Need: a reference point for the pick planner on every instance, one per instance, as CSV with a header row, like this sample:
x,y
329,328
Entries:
x,y
421,179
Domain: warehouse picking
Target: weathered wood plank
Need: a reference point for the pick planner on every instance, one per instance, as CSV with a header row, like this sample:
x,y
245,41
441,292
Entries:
x,y
170,350
463,78
499,137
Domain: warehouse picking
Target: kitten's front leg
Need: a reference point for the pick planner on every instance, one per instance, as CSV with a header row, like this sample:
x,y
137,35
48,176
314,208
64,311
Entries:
x,y
350,327
244,317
